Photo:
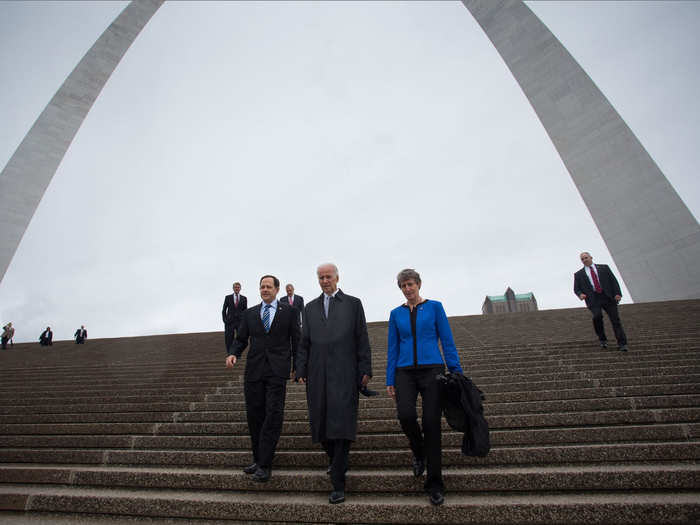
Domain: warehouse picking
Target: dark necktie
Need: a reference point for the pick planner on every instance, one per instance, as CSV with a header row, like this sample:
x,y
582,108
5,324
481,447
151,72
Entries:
x,y
596,282
266,318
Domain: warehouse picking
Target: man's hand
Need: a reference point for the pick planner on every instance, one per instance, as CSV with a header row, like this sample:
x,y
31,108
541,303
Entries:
x,y
582,296
365,380
391,391
292,374
301,380
617,298
230,361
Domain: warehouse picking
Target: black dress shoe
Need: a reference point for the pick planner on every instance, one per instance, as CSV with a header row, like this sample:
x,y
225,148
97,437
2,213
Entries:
x,y
603,344
418,467
436,497
337,496
623,348
250,469
262,474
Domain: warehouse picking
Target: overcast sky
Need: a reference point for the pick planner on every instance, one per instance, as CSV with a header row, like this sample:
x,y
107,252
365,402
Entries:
x,y
238,139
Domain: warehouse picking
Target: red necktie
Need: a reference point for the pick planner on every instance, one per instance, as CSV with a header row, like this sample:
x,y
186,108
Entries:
x,y
596,282
236,301
290,300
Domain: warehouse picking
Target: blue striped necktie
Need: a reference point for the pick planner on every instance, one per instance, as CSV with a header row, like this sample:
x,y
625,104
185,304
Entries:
x,y
266,318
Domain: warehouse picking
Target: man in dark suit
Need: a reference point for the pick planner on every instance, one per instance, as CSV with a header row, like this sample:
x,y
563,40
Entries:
x,y
297,301
273,332
80,335
234,306
596,284
46,337
334,361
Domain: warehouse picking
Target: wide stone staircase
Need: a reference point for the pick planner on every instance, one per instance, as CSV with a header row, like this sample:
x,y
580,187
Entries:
x,y
152,430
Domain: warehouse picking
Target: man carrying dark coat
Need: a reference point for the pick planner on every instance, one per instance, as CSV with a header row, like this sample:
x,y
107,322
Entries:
x,y
334,352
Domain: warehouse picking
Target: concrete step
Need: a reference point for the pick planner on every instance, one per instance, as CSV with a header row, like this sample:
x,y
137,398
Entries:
x,y
514,420
632,451
672,476
460,508
576,435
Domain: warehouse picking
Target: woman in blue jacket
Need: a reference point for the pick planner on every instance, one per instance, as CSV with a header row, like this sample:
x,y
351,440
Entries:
x,y
413,361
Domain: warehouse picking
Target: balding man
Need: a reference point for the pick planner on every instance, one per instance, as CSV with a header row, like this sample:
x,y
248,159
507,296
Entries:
x,y
596,284
297,301
334,352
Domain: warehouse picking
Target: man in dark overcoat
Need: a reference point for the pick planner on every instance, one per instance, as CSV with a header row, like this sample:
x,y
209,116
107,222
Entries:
x,y
334,361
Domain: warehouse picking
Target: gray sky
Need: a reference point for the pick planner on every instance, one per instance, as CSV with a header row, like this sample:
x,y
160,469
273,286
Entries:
x,y
237,139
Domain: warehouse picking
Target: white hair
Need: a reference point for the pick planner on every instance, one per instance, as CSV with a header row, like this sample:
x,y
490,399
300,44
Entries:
x,y
335,268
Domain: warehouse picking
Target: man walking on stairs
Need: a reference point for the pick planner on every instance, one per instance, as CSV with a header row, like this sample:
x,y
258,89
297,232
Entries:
x,y
596,284
335,362
272,329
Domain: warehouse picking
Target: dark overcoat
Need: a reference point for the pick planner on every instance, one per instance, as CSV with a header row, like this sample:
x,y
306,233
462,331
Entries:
x,y
333,356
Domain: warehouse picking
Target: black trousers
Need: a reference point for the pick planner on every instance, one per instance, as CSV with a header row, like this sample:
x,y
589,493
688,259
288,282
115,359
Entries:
x,y
4,342
264,404
425,444
230,330
600,302
338,451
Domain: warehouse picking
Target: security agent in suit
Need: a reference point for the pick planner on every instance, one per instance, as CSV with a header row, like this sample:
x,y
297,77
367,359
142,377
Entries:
x,y
234,306
297,301
46,337
80,335
272,330
596,284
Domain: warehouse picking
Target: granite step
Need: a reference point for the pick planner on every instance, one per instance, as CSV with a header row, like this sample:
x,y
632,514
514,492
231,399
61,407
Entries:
x,y
514,420
632,451
459,508
663,476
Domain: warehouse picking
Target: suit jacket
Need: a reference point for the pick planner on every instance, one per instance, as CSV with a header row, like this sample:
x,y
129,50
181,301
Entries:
x,y
82,334
270,352
46,335
298,303
333,355
582,284
231,313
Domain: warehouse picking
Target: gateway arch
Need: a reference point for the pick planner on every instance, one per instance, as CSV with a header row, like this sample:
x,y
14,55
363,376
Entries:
x,y
651,234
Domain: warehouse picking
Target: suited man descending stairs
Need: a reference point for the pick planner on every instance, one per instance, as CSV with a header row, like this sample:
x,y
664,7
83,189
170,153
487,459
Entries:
x,y
596,284
272,330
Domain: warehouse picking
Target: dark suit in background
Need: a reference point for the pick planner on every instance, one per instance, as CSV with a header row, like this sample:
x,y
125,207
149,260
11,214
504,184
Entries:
x,y
46,338
80,335
297,303
599,301
231,314
267,370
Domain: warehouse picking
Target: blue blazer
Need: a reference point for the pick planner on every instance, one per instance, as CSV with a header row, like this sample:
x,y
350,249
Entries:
x,y
431,325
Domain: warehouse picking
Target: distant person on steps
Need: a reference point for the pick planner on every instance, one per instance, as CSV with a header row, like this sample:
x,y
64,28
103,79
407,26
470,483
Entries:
x,y
232,312
8,332
596,284
46,337
80,335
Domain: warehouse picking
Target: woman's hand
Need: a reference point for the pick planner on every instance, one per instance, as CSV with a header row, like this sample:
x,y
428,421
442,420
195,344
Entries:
x,y
392,393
